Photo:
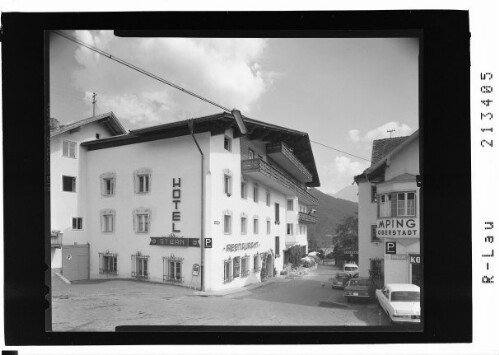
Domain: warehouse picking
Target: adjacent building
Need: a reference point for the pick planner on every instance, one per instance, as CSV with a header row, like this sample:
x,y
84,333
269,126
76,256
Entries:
x,y
194,203
67,178
389,212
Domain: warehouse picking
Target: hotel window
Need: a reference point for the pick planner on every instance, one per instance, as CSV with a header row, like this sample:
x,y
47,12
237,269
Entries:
x,y
268,226
142,179
227,185
255,192
245,260
255,225
227,270
139,266
277,247
69,149
244,225
267,199
227,223
172,269
142,220
227,143
290,204
108,263
290,229
374,235
237,266
373,193
244,190
251,154
277,220
69,183
107,221
77,223
385,205
108,184
406,204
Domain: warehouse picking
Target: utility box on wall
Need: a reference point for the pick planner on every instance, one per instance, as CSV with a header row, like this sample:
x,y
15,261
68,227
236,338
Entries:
x,y
75,262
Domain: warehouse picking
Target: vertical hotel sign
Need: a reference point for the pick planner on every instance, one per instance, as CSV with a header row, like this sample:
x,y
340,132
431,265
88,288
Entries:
x,y
176,199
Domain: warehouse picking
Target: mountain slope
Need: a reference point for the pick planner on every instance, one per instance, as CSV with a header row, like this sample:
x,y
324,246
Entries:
x,y
348,193
330,211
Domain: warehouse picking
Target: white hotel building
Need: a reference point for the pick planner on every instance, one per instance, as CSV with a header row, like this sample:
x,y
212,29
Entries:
x,y
389,213
194,202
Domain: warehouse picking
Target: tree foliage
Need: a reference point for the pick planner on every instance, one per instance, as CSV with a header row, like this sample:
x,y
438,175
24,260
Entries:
x,y
347,235
295,255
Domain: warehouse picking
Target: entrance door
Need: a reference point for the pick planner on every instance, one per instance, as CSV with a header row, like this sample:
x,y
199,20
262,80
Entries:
x,y
415,276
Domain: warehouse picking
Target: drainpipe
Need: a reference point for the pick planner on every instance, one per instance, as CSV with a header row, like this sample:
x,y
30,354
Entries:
x,y
190,123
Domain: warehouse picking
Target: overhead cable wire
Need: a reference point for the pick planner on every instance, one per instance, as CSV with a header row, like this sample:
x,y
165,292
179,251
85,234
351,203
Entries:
x,y
140,70
341,151
164,81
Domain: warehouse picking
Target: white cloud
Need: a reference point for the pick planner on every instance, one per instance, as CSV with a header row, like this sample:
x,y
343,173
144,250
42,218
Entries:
x,y
224,70
340,173
354,135
400,130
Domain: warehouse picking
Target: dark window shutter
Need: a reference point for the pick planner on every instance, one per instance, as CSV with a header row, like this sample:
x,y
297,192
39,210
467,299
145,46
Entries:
x,y
393,196
379,199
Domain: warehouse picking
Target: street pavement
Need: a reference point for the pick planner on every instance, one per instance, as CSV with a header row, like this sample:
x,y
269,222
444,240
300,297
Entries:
x,y
307,300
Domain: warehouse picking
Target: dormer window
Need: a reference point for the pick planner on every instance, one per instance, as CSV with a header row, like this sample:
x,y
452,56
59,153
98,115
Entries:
x,y
228,143
68,149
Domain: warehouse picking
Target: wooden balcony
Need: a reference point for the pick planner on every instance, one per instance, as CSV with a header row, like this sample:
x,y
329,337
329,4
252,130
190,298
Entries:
x,y
307,218
272,177
284,156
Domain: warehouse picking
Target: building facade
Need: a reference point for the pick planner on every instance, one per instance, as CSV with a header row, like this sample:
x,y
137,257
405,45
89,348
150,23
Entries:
x,y
67,178
389,212
196,203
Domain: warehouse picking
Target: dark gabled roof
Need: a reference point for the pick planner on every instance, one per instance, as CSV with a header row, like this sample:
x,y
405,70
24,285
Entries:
x,y
381,147
108,119
380,164
217,124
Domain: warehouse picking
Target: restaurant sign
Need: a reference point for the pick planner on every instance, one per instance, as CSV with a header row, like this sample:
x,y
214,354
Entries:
x,y
174,241
241,246
403,227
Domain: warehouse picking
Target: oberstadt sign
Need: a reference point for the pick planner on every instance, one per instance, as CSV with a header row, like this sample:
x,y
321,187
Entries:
x,y
402,227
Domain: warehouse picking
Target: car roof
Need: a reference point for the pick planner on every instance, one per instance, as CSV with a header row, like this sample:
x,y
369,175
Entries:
x,y
351,265
402,287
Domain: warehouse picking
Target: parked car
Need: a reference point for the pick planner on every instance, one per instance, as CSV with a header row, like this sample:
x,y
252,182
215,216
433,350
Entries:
x,y
400,302
359,288
352,269
340,279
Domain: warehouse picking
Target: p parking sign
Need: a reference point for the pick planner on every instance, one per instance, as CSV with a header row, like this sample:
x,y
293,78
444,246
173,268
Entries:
x,y
391,248
208,243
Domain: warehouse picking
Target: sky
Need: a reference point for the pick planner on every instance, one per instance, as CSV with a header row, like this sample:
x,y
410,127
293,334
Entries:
x,y
344,92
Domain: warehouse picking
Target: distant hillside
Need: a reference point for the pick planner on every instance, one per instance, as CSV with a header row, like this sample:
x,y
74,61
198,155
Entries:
x,y
330,211
348,193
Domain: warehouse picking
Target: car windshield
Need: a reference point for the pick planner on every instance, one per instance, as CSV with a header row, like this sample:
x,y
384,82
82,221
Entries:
x,y
405,296
342,276
350,268
361,282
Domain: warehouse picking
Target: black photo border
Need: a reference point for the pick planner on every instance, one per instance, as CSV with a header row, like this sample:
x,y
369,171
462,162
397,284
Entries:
x,y
444,103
